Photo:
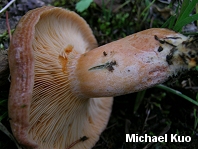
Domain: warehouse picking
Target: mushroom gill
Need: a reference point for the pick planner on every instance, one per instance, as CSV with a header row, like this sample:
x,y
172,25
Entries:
x,y
57,116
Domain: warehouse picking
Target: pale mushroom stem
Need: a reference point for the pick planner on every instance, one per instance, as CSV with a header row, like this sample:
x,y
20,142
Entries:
x,y
126,66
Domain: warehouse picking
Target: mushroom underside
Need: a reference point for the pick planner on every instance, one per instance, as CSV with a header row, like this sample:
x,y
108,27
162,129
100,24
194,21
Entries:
x,y
57,117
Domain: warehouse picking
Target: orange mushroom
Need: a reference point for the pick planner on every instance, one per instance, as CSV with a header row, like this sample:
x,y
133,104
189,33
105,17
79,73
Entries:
x,y
61,89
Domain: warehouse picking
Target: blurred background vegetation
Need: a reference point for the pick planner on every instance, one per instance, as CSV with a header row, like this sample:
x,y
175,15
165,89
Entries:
x,y
170,108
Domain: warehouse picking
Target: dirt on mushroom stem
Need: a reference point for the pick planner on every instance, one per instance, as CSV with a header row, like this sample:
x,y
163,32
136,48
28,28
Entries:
x,y
129,65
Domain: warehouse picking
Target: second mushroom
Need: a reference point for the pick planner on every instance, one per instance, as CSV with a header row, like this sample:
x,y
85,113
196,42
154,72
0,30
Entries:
x,y
61,89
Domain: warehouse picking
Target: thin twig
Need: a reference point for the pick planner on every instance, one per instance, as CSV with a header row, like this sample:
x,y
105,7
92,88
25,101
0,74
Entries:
x,y
79,140
147,116
8,25
164,131
6,6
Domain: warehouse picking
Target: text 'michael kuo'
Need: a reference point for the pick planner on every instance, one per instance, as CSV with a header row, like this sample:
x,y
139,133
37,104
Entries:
x,y
164,138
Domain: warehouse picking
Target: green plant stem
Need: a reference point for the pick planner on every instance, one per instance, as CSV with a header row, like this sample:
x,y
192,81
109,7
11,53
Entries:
x,y
178,93
196,119
196,9
122,5
138,100
142,14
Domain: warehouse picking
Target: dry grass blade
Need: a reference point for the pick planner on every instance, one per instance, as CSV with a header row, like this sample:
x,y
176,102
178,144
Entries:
x,y
8,5
4,129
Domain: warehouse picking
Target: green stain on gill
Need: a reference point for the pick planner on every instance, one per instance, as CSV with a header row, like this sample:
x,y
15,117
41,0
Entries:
x,y
23,106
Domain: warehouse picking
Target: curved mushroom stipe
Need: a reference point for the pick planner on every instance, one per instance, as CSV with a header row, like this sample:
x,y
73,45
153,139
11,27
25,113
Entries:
x,y
130,64
56,76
